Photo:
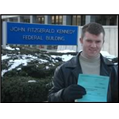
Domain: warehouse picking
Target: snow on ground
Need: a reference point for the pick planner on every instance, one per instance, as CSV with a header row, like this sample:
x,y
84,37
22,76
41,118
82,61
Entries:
x,y
66,57
9,48
47,67
3,72
17,49
106,54
23,60
17,62
42,61
14,64
30,81
65,51
5,57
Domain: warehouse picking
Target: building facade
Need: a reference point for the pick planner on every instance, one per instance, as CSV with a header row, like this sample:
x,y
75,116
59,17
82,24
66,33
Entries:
x,y
77,20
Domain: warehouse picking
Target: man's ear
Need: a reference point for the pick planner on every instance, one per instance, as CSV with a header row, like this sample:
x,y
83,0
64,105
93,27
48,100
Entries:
x,y
103,41
81,40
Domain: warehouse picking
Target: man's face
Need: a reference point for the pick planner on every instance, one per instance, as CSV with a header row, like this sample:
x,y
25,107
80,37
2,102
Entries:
x,y
91,44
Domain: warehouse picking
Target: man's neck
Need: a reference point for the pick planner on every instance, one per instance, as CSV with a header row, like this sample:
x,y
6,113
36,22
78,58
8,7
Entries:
x,y
86,57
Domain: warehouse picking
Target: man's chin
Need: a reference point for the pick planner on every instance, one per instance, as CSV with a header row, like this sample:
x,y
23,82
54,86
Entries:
x,y
93,56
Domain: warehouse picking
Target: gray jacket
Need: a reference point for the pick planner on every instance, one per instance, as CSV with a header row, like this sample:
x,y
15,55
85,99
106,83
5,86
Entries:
x,y
67,74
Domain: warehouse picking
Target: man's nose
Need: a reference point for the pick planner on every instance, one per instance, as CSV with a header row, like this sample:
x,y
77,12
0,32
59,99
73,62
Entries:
x,y
93,44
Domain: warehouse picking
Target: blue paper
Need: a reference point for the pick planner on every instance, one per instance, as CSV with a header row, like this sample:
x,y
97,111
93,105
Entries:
x,y
96,87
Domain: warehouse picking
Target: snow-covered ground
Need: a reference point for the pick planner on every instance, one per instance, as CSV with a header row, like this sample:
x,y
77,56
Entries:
x,y
24,59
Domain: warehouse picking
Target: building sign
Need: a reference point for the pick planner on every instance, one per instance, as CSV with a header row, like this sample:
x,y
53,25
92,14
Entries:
x,y
34,34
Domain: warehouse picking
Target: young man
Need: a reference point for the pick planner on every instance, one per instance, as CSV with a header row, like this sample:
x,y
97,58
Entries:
x,y
89,61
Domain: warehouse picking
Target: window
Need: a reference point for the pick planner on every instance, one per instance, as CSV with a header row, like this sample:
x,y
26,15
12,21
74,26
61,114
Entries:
x,y
56,19
83,17
25,19
13,19
74,20
106,19
77,20
40,19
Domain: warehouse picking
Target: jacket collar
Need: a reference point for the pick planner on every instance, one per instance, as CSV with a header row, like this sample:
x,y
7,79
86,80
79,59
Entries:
x,y
74,64
105,66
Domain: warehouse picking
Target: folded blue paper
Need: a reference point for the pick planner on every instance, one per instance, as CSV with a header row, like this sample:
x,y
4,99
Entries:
x,y
96,87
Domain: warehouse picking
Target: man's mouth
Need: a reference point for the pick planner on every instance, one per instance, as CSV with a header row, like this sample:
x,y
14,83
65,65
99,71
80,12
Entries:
x,y
92,50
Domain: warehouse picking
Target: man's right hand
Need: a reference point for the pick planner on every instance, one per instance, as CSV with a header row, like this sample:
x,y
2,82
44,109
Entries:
x,y
73,92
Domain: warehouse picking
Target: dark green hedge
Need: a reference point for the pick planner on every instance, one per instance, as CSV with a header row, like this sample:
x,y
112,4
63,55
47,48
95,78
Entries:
x,y
18,89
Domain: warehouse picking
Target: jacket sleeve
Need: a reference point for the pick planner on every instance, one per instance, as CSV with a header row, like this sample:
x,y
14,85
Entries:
x,y
55,94
113,88
115,84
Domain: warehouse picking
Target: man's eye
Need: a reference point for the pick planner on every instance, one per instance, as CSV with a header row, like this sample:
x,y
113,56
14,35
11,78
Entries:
x,y
97,41
89,41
